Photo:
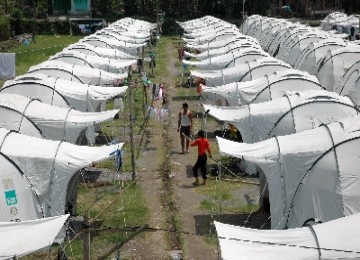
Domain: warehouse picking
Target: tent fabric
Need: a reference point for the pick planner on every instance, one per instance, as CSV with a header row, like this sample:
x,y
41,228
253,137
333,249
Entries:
x,y
230,47
215,44
310,57
20,200
48,166
263,89
7,65
341,22
323,241
228,60
248,71
106,64
349,84
298,44
293,113
62,93
122,38
77,73
311,174
22,238
130,32
335,64
212,37
89,49
104,42
54,123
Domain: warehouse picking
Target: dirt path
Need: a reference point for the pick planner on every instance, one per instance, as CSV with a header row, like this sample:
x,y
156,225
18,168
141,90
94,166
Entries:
x,y
175,204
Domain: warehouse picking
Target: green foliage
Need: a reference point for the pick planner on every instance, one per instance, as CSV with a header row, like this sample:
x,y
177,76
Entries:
x,y
169,26
5,28
29,12
16,14
41,9
44,26
35,53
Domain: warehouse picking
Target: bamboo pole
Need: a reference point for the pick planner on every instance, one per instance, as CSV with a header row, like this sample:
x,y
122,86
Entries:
x,y
122,243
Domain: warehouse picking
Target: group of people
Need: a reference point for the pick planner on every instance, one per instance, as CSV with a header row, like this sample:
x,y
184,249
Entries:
x,y
185,126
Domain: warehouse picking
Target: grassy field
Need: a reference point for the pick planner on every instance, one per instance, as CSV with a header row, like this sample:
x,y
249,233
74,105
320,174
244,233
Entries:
x,y
45,46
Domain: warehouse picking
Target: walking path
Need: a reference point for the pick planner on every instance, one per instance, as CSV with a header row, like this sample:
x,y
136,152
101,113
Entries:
x,y
167,179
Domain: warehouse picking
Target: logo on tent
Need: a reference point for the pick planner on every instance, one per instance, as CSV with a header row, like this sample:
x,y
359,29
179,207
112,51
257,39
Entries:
x,y
10,197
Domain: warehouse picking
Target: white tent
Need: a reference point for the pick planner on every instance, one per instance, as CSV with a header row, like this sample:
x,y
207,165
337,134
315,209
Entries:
x,y
77,73
335,64
277,38
263,89
104,42
349,84
22,238
311,175
20,200
221,43
142,35
337,239
213,40
298,36
116,36
48,168
34,118
259,27
248,71
191,35
62,93
287,115
106,64
310,57
229,47
228,60
248,21
98,51
270,33
332,19
298,44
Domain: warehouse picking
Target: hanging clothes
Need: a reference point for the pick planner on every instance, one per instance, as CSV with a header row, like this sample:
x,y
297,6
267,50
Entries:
x,y
7,65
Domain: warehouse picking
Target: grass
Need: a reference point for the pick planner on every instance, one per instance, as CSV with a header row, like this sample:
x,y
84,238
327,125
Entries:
x,y
221,197
46,45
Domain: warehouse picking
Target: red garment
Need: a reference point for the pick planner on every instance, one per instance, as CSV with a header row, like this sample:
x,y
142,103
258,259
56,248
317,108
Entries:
x,y
203,145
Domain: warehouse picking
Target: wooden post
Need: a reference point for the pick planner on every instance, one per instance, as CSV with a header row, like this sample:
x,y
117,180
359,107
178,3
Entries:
x,y
133,174
86,235
118,246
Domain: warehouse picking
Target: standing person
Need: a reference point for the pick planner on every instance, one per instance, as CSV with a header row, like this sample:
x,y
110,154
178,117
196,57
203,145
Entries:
x,y
185,124
203,146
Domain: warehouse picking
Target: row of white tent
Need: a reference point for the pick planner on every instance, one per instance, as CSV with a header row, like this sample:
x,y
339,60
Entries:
x,y
340,22
44,115
301,137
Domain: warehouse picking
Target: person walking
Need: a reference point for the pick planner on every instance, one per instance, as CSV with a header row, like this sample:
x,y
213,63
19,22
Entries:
x,y
203,146
185,124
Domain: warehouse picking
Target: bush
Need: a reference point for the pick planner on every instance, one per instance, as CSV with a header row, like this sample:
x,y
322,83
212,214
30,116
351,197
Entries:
x,y
29,12
41,9
169,26
62,27
5,31
44,26
16,14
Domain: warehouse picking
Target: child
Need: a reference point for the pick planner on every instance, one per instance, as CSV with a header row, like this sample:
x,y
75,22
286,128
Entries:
x,y
203,145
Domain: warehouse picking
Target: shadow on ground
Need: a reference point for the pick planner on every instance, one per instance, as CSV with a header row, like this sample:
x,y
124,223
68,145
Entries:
x,y
257,220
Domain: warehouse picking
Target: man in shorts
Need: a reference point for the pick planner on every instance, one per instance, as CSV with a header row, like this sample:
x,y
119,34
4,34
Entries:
x,y
185,124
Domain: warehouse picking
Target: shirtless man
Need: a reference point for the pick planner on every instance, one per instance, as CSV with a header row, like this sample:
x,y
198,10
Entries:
x,y
185,124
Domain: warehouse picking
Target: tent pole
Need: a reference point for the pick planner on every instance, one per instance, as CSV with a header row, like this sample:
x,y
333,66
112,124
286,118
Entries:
x,y
133,174
86,235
